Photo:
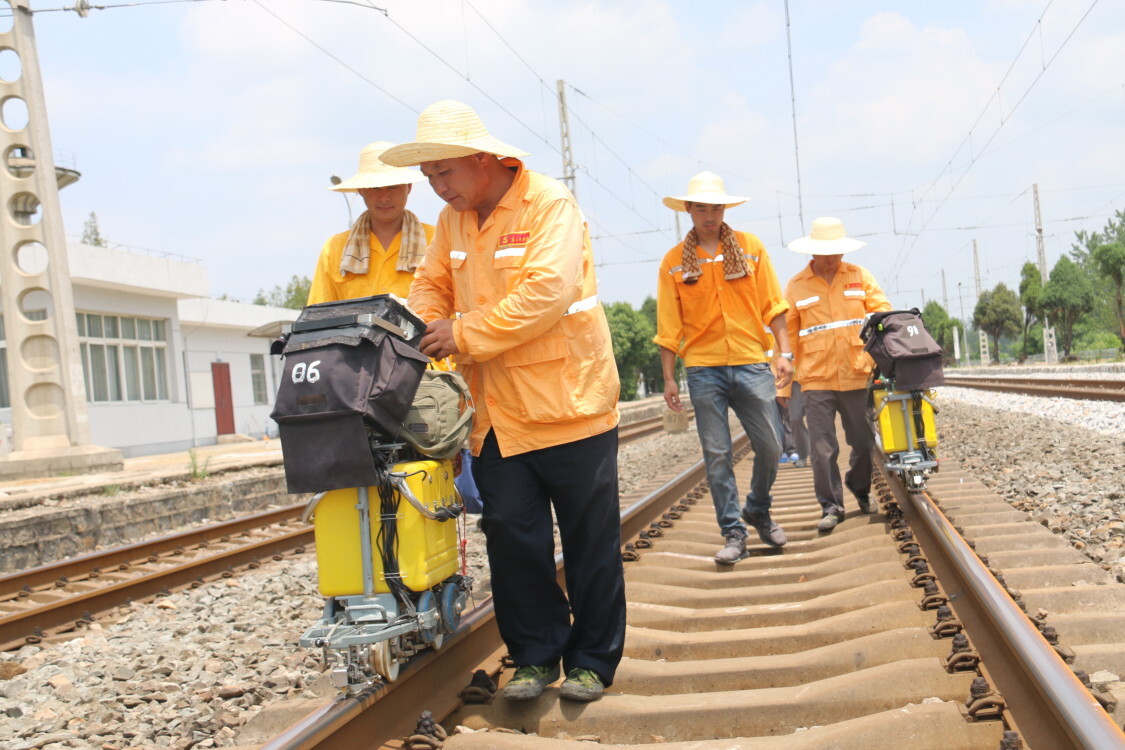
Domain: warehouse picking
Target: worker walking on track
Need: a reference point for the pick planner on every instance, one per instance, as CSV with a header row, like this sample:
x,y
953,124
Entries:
x,y
386,243
829,300
507,287
716,293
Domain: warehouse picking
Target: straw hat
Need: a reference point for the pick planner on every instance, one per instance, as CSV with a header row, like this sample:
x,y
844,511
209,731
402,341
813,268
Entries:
x,y
373,173
705,187
826,238
448,130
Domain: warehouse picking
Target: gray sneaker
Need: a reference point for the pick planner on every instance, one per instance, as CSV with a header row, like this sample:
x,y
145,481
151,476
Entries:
x,y
828,522
734,550
768,531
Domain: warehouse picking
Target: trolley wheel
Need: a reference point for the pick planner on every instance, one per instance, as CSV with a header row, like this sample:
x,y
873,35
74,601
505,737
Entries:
x,y
433,635
452,603
383,659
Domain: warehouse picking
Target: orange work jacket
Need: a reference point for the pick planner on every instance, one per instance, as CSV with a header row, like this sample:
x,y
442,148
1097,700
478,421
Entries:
x,y
718,322
533,337
824,322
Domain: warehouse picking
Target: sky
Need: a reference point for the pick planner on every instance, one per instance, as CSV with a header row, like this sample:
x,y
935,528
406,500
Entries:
x,y
209,129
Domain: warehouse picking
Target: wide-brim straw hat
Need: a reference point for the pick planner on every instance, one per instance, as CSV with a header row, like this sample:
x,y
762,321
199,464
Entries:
x,y
826,238
705,187
374,173
448,130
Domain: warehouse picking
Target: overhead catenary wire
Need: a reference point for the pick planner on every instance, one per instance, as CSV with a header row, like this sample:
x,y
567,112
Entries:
x,y
83,8
967,140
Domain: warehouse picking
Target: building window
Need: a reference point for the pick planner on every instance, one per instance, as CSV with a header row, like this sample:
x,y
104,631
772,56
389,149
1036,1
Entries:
x,y
258,378
123,358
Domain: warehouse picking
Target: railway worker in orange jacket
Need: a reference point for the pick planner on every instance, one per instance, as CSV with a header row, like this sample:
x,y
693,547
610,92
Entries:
x,y
508,289
829,300
386,243
716,293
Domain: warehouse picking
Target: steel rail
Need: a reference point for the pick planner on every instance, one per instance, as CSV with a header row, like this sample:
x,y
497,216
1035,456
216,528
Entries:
x,y
1089,390
17,627
1051,707
76,568
377,717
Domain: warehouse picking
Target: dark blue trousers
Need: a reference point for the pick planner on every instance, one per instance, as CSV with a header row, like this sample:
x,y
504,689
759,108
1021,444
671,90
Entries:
x,y
533,613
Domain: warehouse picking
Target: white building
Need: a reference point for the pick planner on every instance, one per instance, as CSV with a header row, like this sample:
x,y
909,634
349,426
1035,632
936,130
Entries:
x,y
166,368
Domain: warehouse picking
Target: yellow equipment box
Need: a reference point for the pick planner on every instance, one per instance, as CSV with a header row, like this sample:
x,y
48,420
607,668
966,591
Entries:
x,y
427,548
894,409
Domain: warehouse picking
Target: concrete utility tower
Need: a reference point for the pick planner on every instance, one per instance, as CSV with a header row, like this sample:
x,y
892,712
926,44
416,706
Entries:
x,y
51,431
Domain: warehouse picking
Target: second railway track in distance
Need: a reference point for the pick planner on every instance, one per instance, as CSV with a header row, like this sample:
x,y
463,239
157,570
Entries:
x,y
1076,388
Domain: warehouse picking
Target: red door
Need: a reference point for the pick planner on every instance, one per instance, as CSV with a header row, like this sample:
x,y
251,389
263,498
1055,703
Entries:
x,y
224,407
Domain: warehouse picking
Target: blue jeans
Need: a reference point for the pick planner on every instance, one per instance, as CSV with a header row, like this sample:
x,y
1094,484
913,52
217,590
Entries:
x,y
748,390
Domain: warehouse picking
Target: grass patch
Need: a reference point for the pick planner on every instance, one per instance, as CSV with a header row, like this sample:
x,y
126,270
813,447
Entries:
x,y
198,470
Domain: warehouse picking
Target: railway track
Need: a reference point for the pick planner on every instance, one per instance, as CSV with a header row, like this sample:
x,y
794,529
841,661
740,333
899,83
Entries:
x,y
1076,388
53,600
839,640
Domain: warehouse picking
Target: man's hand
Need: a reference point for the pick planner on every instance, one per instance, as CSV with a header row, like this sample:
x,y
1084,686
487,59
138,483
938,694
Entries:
x,y
438,341
672,395
784,372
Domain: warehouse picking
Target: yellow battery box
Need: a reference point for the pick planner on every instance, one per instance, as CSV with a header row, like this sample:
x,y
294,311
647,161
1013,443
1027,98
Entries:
x,y
427,548
894,409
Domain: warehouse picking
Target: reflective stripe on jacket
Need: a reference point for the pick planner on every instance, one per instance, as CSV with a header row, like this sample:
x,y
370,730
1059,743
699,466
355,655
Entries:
x,y
718,322
824,322
328,285
535,345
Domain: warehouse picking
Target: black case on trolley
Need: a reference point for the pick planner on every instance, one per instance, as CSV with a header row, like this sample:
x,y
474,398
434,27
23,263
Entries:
x,y
903,349
350,373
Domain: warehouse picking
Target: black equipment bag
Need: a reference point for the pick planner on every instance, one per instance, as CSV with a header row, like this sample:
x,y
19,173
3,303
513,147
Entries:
x,y
351,370
903,349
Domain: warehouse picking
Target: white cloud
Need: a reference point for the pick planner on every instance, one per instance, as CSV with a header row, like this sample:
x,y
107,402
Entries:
x,y
903,94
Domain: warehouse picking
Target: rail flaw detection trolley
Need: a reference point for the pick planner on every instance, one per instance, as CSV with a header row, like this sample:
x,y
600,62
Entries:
x,y
900,394
385,516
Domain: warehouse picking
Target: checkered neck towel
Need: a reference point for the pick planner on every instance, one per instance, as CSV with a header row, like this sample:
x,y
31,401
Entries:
x,y
357,250
734,265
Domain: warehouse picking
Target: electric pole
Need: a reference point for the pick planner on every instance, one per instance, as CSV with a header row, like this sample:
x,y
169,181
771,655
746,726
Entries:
x,y
944,293
567,153
985,356
961,299
1050,352
50,422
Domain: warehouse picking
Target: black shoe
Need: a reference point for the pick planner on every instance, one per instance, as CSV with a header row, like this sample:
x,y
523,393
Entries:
x,y
866,505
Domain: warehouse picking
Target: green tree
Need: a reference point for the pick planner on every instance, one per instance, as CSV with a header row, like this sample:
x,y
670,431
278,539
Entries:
x,y
632,344
651,370
91,235
940,326
1108,257
1067,296
1031,294
998,314
1103,316
293,295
